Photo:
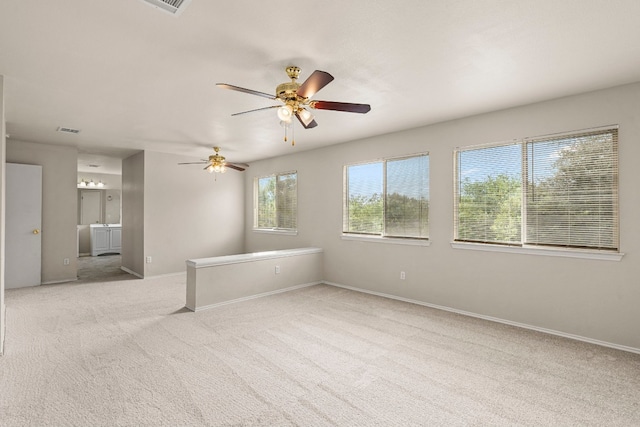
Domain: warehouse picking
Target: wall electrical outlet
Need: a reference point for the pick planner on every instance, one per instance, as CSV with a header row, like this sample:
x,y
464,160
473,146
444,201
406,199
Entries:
x,y
65,261
402,275
277,270
148,260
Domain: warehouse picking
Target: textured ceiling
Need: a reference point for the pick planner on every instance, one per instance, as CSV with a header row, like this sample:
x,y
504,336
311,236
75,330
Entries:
x,y
132,77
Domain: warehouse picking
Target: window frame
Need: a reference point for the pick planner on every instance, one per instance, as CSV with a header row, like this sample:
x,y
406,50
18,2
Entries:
x,y
523,247
382,237
256,207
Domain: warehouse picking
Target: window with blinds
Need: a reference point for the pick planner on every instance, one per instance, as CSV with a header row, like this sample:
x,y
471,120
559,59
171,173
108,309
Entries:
x,y
559,191
276,202
388,198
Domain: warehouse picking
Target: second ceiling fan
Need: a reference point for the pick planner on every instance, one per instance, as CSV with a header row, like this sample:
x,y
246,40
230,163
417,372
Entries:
x,y
295,98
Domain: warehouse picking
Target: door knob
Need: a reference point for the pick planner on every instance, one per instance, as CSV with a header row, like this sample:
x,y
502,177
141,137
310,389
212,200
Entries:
x,y
36,231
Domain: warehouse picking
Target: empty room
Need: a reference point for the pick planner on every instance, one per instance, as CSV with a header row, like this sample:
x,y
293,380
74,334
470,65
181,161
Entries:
x,y
319,214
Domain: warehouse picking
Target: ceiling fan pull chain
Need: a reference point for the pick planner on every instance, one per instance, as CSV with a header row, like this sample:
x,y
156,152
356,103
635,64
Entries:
x,y
293,138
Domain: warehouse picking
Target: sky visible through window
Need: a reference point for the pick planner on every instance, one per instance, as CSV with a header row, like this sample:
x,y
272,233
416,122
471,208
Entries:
x,y
370,175
481,163
367,178
507,160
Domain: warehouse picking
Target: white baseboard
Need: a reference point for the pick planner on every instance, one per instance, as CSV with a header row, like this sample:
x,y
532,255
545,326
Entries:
x,y
3,311
131,272
157,276
55,282
250,297
493,319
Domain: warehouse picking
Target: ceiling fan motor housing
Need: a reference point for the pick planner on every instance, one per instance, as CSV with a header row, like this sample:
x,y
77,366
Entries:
x,y
216,159
287,91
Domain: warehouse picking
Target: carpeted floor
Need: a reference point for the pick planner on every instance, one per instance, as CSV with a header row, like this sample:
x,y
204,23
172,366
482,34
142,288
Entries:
x,y
126,353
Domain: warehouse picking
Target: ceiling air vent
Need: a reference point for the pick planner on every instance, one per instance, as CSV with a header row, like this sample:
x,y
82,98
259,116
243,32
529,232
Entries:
x,y
174,7
68,130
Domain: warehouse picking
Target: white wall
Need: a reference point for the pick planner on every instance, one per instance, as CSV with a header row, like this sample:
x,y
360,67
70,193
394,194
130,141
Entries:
x,y
189,213
3,133
593,299
172,213
59,204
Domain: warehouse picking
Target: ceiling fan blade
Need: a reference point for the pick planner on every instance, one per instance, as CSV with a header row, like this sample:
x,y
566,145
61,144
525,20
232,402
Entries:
x,y
257,109
241,89
311,123
206,167
341,106
242,165
316,81
194,163
232,166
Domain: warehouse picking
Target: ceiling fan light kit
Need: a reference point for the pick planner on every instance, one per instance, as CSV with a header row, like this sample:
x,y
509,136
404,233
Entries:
x,y
296,99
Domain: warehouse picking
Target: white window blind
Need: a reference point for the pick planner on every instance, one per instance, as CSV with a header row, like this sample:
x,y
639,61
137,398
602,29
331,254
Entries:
x,y
572,197
276,201
388,198
489,194
551,191
364,206
406,208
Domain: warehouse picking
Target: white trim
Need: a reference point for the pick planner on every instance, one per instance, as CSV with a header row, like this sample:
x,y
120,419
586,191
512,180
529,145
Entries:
x,y
276,231
55,282
525,139
250,257
157,276
536,250
578,132
139,276
382,239
3,322
494,319
250,297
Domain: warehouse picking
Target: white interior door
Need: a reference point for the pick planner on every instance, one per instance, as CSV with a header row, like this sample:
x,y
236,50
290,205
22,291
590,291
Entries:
x,y
23,244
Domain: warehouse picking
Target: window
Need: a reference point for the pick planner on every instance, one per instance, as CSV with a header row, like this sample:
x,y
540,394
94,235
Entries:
x,y
559,191
388,198
276,202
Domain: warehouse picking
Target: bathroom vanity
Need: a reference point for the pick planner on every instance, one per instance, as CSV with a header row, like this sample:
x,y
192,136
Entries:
x,y
105,238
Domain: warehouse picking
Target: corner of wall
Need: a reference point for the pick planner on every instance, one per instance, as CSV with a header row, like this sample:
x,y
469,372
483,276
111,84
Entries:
x,y
133,214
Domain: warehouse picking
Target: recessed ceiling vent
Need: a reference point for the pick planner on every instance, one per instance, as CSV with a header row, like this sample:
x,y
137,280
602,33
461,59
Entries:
x,y
68,130
174,7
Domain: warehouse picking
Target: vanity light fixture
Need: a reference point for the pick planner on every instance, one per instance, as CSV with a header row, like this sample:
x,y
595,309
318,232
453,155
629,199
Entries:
x,y
84,183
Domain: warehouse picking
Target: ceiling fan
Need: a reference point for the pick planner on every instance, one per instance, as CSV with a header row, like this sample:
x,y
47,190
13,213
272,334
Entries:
x,y
295,98
218,163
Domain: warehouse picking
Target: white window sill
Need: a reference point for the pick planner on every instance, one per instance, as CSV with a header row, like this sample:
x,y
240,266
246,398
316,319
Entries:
x,y
532,250
389,240
276,231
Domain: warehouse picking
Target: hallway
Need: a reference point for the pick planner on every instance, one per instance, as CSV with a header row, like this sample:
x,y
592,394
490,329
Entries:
x,y
101,268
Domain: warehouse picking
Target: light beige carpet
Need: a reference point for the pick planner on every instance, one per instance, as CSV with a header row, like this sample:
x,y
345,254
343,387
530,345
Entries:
x,y
126,353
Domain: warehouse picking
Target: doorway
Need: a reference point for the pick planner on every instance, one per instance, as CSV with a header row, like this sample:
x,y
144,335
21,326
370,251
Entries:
x,y
99,204
90,207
